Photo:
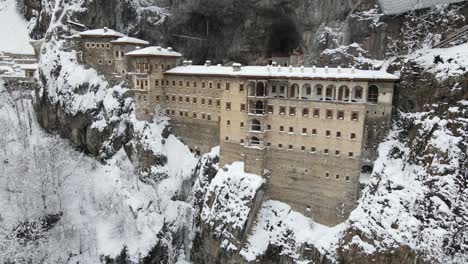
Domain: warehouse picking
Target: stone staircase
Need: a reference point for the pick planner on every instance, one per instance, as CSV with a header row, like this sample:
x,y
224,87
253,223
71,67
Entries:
x,y
458,37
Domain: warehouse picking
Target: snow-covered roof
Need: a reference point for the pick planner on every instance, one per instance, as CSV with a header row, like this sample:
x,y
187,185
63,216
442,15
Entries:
x,y
130,40
156,51
283,72
101,32
392,7
29,66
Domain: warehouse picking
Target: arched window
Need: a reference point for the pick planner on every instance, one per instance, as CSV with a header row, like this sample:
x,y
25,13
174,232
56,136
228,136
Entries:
x,y
306,91
294,91
259,107
255,125
255,141
343,93
373,94
318,90
260,89
358,90
329,93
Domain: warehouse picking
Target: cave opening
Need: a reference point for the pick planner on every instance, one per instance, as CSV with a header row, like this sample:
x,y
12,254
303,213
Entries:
x,y
284,37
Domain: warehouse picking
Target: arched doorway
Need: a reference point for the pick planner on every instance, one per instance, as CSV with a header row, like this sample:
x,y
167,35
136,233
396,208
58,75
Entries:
x,y
306,91
343,93
330,92
294,91
373,94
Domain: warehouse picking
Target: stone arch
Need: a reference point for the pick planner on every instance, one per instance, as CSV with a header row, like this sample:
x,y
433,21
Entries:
x,y
260,91
343,93
358,92
318,90
251,88
306,91
373,94
254,141
294,91
330,92
259,107
255,125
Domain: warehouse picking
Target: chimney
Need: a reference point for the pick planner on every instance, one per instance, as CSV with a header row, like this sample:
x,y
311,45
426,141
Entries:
x,y
106,29
353,70
302,68
190,62
290,68
236,67
326,69
314,69
169,49
185,63
339,69
208,63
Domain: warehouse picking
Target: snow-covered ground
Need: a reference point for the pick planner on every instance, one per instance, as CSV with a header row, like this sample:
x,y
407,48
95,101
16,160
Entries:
x,y
13,29
102,207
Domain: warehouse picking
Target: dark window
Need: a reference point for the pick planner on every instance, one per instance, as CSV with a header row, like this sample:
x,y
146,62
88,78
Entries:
x,y
270,109
355,116
305,111
291,129
282,110
304,131
340,115
317,113
228,106
292,111
327,133
281,128
241,87
314,131
329,114
242,107
353,136
338,134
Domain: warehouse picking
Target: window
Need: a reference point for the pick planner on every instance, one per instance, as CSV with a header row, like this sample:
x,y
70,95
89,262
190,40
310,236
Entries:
x,y
314,132
281,129
354,116
347,178
194,84
228,86
304,130
270,109
290,147
353,136
187,84
303,148
241,87
173,83
87,44
116,54
337,152
187,100
358,92
373,94
218,85
228,106
327,175
157,98
194,115
218,103
269,127
203,85
291,129
138,82
282,110
180,83
340,115
329,114
226,138
181,114
350,154
280,146
242,124
316,113
100,61
228,122
92,45
168,112
211,85
186,114
273,89
156,82
173,112
325,151
292,111
208,117
108,45
327,133
312,150
242,107
181,99
210,102
337,176
338,134
194,100
268,144
167,98
203,101
203,116
305,111
146,82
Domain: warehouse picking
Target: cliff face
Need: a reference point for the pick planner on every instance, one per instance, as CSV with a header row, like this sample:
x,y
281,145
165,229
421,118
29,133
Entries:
x,y
328,32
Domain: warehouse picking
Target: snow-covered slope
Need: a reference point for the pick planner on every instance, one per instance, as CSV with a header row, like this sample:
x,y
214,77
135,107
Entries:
x,y
14,31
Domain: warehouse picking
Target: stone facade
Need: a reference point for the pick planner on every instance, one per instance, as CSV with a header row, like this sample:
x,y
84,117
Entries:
x,y
310,131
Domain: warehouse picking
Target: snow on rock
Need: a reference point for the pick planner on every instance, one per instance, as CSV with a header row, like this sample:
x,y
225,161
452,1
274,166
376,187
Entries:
x,y
289,231
227,204
417,194
443,62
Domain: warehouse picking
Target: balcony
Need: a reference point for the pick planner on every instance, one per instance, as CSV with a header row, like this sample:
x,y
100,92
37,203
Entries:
x,y
256,112
254,143
256,129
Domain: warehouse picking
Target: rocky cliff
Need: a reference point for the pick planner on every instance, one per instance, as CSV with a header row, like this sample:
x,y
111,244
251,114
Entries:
x,y
414,209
